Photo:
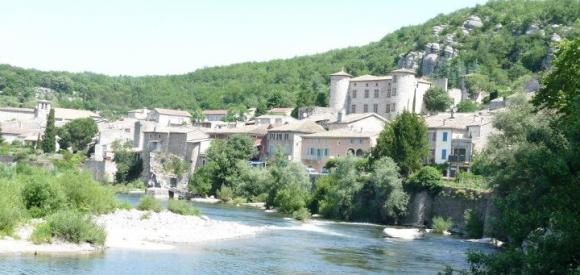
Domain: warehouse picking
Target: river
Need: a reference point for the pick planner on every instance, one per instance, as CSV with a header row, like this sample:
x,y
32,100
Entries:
x,y
290,247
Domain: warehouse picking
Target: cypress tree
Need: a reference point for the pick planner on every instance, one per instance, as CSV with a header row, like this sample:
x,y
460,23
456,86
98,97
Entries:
x,y
49,138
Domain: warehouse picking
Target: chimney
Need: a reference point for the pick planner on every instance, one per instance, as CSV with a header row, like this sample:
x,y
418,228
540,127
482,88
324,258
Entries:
x,y
340,116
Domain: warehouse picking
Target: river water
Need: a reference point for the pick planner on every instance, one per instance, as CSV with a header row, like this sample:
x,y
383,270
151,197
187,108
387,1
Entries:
x,y
290,247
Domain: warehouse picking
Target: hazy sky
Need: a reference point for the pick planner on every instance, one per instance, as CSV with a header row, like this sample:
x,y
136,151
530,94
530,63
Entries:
x,y
141,37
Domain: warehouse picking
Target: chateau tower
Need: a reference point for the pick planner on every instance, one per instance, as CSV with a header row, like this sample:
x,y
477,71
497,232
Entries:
x,y
405,83
339,83
42,109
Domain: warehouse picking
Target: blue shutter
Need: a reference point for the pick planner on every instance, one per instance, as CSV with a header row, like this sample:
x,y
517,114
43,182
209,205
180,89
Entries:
x,y
444,136
444,154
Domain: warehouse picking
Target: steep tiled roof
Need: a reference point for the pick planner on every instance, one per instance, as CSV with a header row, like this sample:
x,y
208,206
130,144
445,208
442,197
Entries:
x,y
171,112
303,126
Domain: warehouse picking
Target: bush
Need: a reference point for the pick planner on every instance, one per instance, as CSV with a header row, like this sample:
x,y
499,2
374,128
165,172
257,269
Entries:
x,y
182,208
260,198
70,226
124,205
467,106
291,199
473,225
225,193
239,200
441,225
428,179
301,214
145,216
42,195
149,203
85,194
11,206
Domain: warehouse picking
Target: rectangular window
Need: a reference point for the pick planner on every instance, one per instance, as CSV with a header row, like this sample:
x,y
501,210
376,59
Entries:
x,y
286,136
389,93
394,92
366,93
434,136
376,93
393,108
326,152
311,151
366,108
444,154
377,84
388,109
376,108
444,136
360,141
353,108
394,79
353,93
367,84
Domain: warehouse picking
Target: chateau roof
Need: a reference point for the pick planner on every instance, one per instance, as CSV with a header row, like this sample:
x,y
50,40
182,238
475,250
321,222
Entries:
x,y
368,77
407,71
459,120
171,112
303,126
341,73
342,133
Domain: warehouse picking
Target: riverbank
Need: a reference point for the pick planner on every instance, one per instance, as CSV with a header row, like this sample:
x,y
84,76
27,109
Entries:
x,y
136,229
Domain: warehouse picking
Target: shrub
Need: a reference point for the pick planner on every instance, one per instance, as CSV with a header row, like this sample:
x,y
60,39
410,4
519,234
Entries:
x,y
260,198
441,225
467,106
41,234
291,199
428,178
473,225
225,193
85,194
182,208
42,195
301,214
70,226
11,206
239,200
149,203
124,205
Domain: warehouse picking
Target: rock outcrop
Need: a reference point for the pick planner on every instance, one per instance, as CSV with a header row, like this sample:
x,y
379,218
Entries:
x,y
403,233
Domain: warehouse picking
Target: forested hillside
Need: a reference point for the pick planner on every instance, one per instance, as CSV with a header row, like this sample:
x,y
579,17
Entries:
x,y
511,46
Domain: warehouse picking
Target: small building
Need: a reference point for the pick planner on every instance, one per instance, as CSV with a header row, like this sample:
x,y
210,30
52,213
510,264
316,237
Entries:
x,y
274,120
281,111
363,122
288,138
256,132
140,114
318,148
168,117
307,112
186,143
214,115
41,111
454,138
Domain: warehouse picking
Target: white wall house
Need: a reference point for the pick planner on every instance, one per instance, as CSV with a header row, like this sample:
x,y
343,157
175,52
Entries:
x,y
167,117
214,115
288,138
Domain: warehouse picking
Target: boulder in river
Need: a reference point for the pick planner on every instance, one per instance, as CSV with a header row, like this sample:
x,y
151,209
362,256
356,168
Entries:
x,y
403,233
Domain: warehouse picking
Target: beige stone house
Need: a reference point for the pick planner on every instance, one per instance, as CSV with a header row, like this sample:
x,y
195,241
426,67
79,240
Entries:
x,y
162,143
168,117
363,122
288,138
318,148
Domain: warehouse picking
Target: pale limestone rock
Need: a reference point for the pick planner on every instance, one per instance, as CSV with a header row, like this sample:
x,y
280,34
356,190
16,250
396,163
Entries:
x,y
473,22
555,38
403,233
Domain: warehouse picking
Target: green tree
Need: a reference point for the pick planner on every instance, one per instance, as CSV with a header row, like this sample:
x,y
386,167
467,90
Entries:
x,y
467,106
339,201
389,198
405,141
321,100
437,100
129,164
49,139
428,178
534,168
77,133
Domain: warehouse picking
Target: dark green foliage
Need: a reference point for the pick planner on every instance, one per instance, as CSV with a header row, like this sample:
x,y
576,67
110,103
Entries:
x,y
149,203
404,139
48,144
467,106
42,196
473,225
77,134
437,100
200,182
428,179
129,166
502,56
441,225
534,167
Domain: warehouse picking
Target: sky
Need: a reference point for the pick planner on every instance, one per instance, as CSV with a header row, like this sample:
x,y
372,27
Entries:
x,y
159,37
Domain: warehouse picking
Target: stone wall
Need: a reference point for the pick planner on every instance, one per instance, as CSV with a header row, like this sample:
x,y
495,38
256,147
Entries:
x,y
450,203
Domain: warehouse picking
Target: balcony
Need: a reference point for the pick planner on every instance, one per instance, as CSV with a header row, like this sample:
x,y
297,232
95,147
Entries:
x,y
457,158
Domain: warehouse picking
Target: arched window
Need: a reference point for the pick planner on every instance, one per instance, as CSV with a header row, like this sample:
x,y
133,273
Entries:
x,y
350,152
360,153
